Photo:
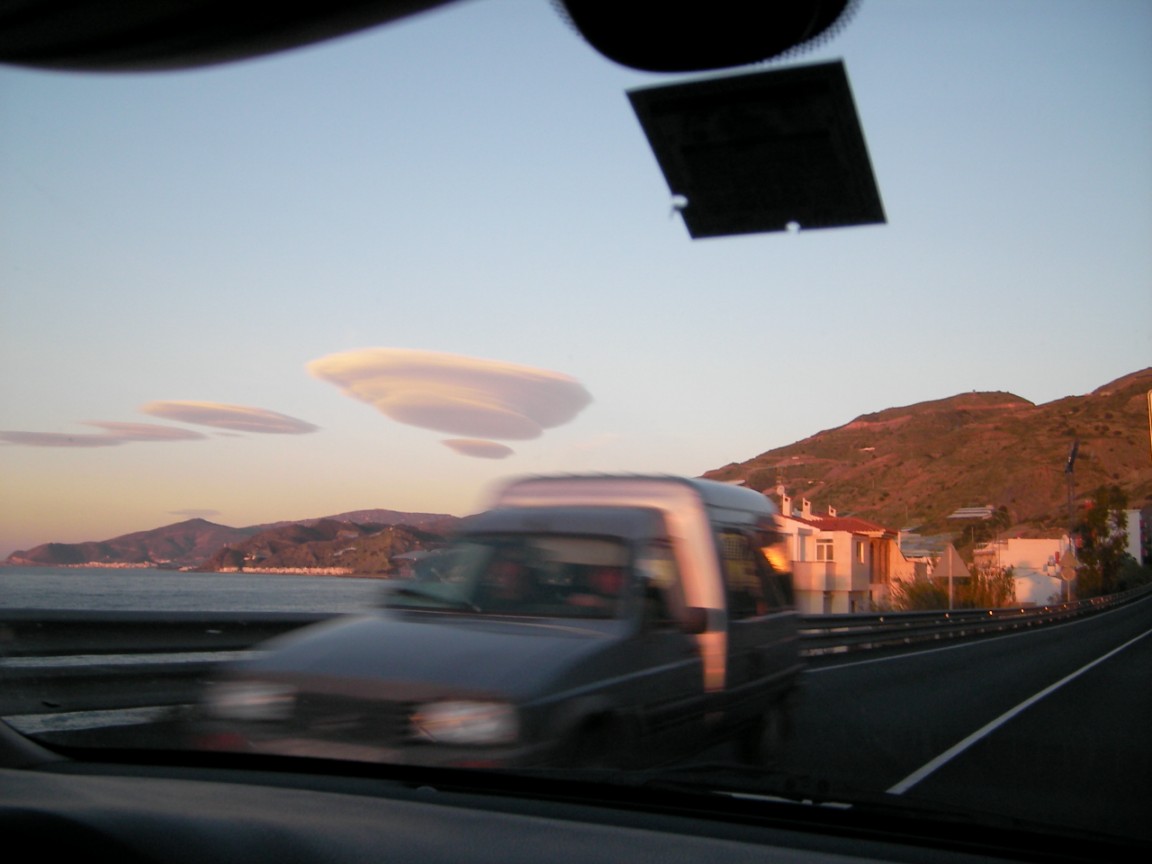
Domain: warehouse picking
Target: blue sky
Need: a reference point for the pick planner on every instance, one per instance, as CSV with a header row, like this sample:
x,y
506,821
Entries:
x,y
473,182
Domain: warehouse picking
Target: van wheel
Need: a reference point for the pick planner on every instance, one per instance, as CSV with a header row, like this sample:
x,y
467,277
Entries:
x,y
762,743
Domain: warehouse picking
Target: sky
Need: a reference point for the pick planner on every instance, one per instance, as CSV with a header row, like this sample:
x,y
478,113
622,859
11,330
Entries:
x,y
394,268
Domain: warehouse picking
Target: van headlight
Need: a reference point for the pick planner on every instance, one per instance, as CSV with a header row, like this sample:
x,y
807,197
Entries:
x,y
466,722
250,700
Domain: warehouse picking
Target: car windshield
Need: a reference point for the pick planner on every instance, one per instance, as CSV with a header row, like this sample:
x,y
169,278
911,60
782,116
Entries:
x,y
273,329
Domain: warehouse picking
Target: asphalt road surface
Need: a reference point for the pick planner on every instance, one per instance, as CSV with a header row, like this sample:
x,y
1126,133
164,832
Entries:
x,y
1051,725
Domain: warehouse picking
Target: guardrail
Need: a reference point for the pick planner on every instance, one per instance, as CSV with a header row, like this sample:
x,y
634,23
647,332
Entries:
x,y
54,661
843,634
57,633
63,661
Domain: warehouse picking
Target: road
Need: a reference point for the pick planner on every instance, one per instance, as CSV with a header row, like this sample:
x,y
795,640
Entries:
x,y
1052,725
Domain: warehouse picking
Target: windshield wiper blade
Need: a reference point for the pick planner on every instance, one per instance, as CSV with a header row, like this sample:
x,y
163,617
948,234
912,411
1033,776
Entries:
x,y
747,781
735,791
712,779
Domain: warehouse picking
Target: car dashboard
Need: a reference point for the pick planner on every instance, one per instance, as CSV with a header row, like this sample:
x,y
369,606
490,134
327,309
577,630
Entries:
x,y
179,807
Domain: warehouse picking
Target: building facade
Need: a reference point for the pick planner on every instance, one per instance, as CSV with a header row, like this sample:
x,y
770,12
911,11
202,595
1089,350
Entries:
x,y
840,564
1037,566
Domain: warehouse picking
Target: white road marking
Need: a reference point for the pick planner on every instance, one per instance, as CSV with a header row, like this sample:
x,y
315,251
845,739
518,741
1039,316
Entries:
x,y
972,642
956,749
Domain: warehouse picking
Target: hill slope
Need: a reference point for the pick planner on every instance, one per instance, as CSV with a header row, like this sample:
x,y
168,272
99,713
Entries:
x,y
199,543
912,466
174,545
323,544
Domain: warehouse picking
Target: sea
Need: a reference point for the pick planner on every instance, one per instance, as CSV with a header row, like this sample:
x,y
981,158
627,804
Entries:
x,y
150,590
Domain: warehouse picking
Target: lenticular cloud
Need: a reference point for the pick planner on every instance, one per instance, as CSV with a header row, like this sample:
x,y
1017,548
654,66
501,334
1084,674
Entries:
x,y
468,396
114,435
57,439
479,448
238,418
146,431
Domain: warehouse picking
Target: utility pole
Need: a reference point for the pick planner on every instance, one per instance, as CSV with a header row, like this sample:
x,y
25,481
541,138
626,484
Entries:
x,y
1068,572
1150,422
1068,476
949,559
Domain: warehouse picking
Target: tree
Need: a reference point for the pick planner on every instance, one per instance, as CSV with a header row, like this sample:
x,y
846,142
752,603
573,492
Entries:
x,y
976,533
989,588
1133,574
981,588
1101,538
915,595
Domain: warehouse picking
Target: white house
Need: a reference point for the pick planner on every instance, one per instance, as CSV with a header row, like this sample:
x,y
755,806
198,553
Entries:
x,y
1036,566
839,563
1135,533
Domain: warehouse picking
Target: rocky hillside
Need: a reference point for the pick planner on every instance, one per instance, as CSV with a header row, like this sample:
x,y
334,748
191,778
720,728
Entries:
x,y
325,544
311,543
181,544
912,466
437,523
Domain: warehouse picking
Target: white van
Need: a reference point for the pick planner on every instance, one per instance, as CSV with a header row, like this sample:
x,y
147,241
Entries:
x,y
581,620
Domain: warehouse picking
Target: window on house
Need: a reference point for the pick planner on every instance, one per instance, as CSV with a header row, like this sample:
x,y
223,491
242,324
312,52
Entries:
x,y
860,551
824,549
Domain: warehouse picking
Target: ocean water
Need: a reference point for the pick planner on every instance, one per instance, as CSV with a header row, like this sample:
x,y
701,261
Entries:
x,y
167,590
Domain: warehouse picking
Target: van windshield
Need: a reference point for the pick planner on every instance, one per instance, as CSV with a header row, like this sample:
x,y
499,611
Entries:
x,y
551,575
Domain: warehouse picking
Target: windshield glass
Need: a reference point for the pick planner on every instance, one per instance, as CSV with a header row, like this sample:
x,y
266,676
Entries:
x,y
540,575
271,329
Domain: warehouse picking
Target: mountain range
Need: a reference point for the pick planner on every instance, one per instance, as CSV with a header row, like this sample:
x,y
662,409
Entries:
x,y
309,543
911,467
907,467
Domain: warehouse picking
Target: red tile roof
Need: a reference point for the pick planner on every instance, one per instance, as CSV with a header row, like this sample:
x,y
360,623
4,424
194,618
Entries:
x,y
845,523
